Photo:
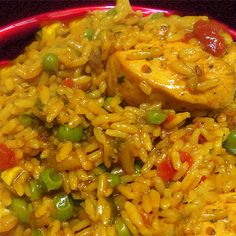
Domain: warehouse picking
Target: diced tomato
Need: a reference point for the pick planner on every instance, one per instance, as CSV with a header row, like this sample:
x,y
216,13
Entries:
x,y
7,157
165,170
169,118
186,157
207,32
187,37
201,139
202,179
144,216
68,82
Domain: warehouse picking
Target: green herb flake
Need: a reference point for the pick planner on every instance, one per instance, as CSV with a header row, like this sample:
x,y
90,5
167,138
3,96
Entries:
x,y
121,79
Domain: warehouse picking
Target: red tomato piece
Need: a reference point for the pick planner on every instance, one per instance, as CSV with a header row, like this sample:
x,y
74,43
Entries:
x,y
214,44
207,32
169,118
68,82
165,170
201,139
204,27
186,157
7,157
187,37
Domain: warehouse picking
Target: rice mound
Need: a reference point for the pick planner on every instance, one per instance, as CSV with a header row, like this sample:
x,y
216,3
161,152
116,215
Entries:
x,y
200,197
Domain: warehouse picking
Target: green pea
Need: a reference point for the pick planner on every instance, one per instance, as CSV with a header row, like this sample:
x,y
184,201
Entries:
x,y
117,171
107,103
100,169
21,210
36,189
36,232
64,132
138,166
103,167
114,180
112,12
51,62
64,206
26,120
230,143
89,33
51,179
156,117
121,228
157,15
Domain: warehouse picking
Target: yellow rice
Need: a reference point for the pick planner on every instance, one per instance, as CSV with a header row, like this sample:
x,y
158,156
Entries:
x,y
115,136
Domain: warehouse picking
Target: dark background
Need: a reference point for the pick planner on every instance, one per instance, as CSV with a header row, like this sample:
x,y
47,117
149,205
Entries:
x,y
11,10
224,10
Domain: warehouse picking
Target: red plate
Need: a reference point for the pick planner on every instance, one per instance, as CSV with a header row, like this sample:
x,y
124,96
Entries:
x,y
15,31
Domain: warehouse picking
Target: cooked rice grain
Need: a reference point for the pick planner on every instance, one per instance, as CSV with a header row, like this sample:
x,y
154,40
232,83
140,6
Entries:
x,y
113,172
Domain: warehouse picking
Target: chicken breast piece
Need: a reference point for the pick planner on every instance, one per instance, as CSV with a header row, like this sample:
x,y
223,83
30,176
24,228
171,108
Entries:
x,y
201,81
